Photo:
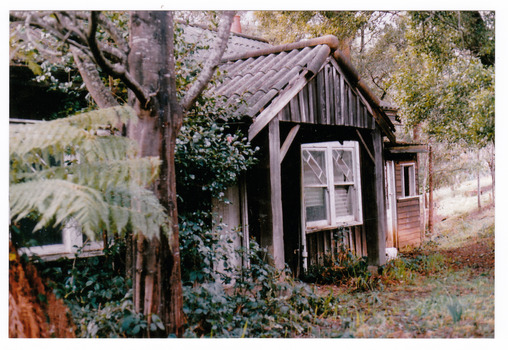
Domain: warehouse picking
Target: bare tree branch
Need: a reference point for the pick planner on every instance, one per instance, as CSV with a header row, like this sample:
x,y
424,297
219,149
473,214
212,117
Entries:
x,y
219,47
117,37
115,70
88,71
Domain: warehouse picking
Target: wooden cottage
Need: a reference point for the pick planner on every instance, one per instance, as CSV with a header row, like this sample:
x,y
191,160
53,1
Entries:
x,y
320,180
324,141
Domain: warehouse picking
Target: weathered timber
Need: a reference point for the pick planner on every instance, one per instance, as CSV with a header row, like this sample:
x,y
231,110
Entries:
x,y
377,241
277,247
365,145
276,106
288,141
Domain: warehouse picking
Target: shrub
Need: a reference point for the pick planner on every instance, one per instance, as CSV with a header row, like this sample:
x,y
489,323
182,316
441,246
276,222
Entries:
x,y
98,294
342,268
260,303
404,268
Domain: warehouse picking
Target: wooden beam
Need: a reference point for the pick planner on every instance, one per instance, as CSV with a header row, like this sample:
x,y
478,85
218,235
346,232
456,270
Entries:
x,y
379,257
285,96
277,234
288,141
244,205
408,149
365,145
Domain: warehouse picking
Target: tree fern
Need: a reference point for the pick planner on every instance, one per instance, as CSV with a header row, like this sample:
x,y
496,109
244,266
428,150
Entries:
x,y
78,167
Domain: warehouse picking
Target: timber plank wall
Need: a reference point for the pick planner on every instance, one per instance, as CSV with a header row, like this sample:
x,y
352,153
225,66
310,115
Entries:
x,y
328,100
409,231
325,243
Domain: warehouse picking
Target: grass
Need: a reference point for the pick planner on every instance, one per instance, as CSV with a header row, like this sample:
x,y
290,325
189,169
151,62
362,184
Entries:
x,y
460,199
443,289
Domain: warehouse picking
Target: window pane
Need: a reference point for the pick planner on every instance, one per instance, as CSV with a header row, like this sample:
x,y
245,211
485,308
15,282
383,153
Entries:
x,y
314,168
23,233
409,180
342,166
315,204
344,201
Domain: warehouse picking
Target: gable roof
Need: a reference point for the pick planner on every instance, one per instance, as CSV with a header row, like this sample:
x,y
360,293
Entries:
x,y
257,80
267,79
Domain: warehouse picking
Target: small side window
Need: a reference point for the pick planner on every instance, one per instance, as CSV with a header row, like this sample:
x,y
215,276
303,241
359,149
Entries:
x,y
408,180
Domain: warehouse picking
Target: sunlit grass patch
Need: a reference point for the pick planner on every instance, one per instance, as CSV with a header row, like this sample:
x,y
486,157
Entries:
x,y
461,199
449,305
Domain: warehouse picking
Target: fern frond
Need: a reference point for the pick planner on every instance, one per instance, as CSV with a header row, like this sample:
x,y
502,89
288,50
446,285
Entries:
x,y
116,210
144,212
62,134
68,168
58,199
102,118
100,175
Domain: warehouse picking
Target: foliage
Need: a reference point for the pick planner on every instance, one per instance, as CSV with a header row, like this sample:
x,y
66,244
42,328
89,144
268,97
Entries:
x,y
404,268
48,56
77,167
290,26
201,247
445,79
453,102
259,303
442,33
98,294
343,268
208,158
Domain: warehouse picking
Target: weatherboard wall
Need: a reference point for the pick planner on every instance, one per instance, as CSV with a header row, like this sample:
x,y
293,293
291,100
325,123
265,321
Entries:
x,y
409,231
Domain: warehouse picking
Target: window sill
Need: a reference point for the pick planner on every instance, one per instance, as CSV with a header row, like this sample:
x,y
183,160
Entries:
x,y
51,254
408,198
334,227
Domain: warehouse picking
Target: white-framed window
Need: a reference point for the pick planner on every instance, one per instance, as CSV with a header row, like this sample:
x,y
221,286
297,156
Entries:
x,y
331,185
64,241
408,180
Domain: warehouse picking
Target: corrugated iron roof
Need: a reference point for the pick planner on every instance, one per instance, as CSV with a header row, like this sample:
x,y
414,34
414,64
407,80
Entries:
x,y
257,80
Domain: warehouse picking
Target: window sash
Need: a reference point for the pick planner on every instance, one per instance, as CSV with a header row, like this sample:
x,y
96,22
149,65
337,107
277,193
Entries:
x,y
336,201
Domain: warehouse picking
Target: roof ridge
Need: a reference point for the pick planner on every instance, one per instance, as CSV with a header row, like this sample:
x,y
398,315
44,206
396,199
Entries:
x,y
329,40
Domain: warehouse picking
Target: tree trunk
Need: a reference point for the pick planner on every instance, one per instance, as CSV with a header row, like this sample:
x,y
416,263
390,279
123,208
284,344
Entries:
x,y
479,187
492,166
431,196
156,263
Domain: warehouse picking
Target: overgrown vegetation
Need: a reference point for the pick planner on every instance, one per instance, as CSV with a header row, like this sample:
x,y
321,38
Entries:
x,y
98,294
80,167
258,302
442,289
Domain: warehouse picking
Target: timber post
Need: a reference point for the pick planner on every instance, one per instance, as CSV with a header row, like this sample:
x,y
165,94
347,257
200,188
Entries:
x,y
431,196
377,251
276,241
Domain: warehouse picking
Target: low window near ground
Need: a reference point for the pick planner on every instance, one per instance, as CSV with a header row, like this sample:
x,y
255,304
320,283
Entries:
x,y
331,184
51,243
